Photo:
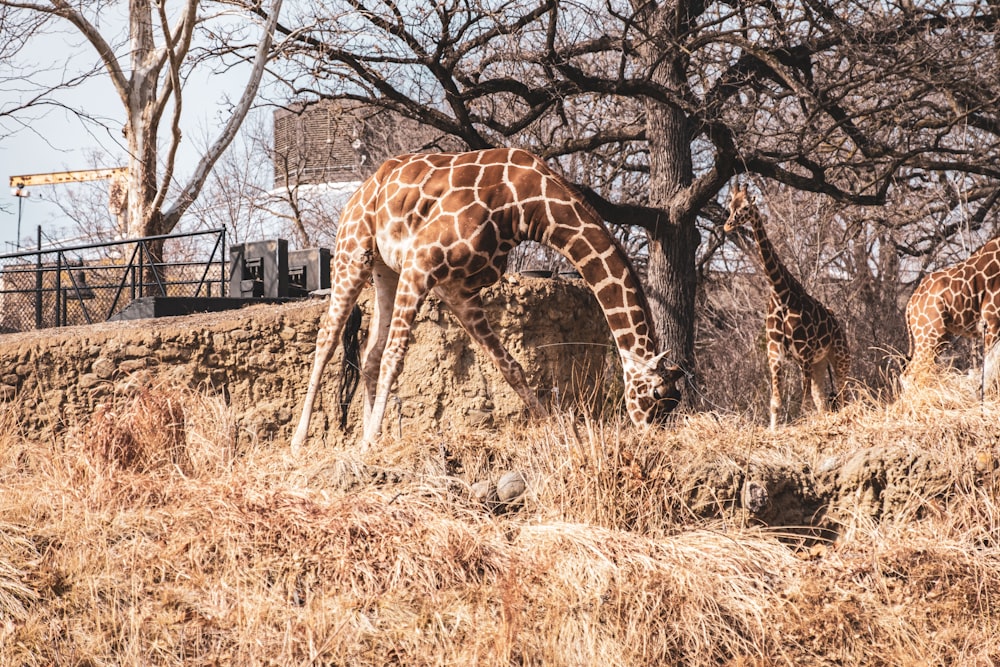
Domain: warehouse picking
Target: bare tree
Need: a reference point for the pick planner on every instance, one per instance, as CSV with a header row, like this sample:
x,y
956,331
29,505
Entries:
x,y
147,65
237,191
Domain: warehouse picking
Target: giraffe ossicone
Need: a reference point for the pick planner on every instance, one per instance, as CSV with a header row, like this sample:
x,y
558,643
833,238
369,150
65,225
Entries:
x,y
959,300
445,222
797,325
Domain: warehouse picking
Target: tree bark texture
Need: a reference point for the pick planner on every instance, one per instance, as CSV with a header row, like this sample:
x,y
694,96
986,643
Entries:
x,y
673,240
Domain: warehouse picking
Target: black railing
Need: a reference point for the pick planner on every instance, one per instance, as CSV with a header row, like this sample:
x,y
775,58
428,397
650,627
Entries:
x,y
52,287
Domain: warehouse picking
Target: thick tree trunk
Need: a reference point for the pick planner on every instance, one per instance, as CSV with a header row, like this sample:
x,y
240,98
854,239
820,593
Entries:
x,y
673,242
141,129
670,289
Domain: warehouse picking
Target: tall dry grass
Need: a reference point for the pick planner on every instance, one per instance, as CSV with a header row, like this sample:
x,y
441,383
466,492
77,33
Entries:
x,y
158,533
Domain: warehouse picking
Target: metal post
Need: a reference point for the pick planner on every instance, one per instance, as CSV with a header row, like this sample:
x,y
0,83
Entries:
x,y
20,193
38,281
60,309
222,265
20,202
142,270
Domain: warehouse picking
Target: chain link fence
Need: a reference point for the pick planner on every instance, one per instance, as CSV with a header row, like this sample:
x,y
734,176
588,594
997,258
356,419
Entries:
x,y
60,286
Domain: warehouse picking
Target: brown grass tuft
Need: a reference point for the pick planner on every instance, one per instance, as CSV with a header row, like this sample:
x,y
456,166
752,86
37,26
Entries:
x,y
141,430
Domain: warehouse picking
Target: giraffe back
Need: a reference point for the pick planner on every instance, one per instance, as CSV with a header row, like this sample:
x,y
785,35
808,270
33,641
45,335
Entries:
x,y
957,298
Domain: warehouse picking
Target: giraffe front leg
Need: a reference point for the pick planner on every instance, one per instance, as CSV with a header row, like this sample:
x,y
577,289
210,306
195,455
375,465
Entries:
x,y
468,308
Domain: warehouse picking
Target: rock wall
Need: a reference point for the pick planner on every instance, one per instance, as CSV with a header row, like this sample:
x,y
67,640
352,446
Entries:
x,y
259,358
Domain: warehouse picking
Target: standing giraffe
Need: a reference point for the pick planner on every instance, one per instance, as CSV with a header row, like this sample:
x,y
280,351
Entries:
x,y
446,222
956,301
796,324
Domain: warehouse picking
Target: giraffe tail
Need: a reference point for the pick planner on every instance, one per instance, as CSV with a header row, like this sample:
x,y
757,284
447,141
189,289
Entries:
x,y
350,367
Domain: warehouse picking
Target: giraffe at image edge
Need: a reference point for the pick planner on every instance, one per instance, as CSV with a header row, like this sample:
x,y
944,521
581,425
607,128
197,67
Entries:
x,y
959,300
797,325
445,222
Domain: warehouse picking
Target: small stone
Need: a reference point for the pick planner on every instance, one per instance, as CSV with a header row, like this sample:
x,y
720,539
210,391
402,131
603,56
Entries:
x,y
481,491
103,368
479,418
511,486
137,351
828,464
88,380
132,365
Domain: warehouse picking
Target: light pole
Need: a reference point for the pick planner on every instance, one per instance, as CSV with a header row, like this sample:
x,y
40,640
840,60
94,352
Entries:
x,y
19,192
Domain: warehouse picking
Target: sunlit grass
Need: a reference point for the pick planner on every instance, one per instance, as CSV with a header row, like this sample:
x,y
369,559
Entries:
x,y
156,532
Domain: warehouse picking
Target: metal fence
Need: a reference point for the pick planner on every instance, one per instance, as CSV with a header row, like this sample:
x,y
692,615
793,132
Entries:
x,y
58,286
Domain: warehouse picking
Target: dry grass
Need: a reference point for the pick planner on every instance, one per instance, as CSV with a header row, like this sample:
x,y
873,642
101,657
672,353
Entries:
x,y
157,533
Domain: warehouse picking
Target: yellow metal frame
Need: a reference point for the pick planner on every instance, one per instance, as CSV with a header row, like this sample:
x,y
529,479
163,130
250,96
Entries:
x,y
28,180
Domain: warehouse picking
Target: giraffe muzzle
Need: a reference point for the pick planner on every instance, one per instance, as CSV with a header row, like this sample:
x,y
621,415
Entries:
x,y
667,400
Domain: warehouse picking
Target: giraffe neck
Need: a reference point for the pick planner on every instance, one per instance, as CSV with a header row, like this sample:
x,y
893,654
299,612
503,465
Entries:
x,y
588,245
782,281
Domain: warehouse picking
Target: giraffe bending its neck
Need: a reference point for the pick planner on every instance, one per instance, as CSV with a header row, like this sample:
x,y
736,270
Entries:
x,y
446,222
796,324
956,301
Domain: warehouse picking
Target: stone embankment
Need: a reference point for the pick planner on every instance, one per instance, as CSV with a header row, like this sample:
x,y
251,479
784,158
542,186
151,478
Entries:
x,y
259,357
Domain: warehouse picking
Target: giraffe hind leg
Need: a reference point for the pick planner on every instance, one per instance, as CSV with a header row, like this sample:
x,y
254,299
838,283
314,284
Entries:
x,y
342,300
386,281
814,383
991,359
841,369
924,349
410,293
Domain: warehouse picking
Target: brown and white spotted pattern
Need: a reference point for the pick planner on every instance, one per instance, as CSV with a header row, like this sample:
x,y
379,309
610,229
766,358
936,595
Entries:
x,y
960,300
797,325
446,222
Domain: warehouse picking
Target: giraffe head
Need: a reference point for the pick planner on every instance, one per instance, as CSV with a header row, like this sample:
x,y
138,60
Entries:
x,y
741,209
651,391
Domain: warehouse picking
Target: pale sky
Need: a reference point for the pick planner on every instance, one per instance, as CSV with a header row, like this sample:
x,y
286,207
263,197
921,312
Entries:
x,y
55,142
